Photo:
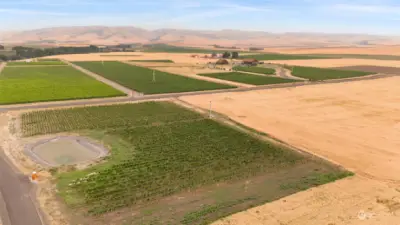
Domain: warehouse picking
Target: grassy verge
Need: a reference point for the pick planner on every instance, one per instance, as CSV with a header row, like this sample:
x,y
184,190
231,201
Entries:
x,y
166,162
39,84
247,78
38,63
316,74
49,60
141,78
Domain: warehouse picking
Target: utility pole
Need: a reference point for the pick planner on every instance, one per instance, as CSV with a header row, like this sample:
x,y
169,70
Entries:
x,y
209,115
154,76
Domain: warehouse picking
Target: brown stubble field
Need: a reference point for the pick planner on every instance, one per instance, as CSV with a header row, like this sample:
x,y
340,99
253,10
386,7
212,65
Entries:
x,y
328,63
356,125
374,50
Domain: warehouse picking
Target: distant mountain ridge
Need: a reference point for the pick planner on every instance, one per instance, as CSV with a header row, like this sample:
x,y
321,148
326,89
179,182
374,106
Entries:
x,y
115,35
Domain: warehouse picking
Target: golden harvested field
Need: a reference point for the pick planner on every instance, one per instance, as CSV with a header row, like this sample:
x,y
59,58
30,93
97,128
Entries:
x,y
356,125
327,63
378,50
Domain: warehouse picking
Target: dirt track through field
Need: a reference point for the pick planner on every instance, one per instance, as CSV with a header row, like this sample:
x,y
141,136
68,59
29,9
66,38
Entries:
x,y
2,65
117,86
186,73
358,128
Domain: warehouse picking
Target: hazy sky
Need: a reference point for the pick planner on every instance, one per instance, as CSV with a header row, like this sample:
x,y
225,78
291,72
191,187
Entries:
x,y
333,16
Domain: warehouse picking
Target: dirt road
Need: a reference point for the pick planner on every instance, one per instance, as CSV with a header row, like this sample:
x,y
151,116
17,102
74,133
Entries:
x,y
117,86
16,193
282,72
2,65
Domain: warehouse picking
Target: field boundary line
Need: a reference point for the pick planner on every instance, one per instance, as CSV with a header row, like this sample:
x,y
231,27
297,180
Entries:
x,y
197,77
28,66
255,133
113,84
256,74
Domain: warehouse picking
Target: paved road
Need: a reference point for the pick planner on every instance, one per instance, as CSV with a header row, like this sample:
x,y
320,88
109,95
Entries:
x,y
16,192
175,95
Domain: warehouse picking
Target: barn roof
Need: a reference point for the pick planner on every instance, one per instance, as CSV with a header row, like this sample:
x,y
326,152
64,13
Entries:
x,y
222,61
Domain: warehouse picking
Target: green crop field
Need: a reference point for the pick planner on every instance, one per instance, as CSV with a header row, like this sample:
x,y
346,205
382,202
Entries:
x,y
276,56
165,162
255,69
38,63
122,55
38,84
155,60
49,60
315,74
247,78
141,79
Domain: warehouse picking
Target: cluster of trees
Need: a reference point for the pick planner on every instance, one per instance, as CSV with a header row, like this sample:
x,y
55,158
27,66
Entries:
x,y
227,55
27,52
255,49
220,46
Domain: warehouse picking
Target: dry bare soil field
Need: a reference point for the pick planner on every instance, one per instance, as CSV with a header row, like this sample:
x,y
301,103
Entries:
x,y
375,50
327,63
355,124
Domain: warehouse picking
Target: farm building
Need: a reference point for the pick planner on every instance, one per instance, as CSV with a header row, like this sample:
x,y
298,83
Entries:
x,y
222,62
250,62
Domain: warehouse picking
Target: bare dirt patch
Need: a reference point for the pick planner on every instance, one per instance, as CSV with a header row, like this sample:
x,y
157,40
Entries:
x,y
355,200
355,124
372,69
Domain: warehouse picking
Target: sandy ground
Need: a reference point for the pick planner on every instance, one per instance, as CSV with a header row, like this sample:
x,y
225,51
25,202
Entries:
x,y
338,62
358,129
376,50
